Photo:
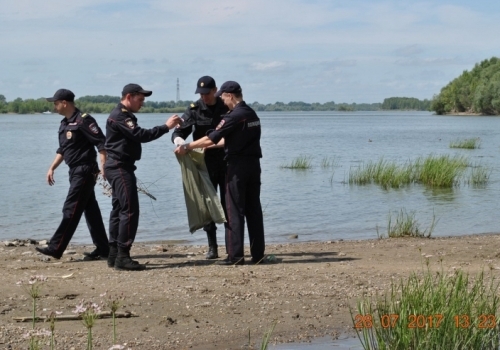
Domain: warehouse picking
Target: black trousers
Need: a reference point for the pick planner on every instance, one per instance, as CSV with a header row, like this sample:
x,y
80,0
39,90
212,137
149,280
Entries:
x,y
80,200
217,171
124,217
243,202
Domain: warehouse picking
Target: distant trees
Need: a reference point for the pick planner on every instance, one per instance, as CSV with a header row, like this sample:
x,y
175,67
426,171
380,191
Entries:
x,y
406,103
477,91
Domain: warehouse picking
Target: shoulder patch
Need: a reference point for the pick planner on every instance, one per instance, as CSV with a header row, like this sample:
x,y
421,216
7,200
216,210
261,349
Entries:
x,y
221,124
93,127
130,123
84,115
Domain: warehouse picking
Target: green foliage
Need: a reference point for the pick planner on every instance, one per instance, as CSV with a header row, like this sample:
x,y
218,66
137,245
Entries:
x,y
432,311
300,163
466,143
477,91
406,225
405,103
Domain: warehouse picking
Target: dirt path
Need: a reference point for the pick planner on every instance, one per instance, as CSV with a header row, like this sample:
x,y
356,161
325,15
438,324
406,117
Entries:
x,y
183,301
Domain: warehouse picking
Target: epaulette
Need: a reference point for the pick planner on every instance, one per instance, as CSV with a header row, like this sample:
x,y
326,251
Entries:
x,y
192,105
84,115
125,110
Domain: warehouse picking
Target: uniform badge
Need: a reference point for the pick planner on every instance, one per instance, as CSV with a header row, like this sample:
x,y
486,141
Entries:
x,y
93,128
69,135
130,123
202,84
221,124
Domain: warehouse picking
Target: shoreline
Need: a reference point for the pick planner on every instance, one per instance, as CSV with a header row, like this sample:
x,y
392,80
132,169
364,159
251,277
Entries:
x,y
184,301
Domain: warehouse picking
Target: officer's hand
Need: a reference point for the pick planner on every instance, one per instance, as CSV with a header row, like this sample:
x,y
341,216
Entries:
x,y
173,121
50,177
103,174
180,151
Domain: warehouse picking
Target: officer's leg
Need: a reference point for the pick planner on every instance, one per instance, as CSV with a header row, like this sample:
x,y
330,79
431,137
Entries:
x,y
72,210
253,214
235,206
211,228
95,224
221,180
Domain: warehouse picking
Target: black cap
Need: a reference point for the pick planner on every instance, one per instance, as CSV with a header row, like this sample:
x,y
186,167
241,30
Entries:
x,y
135,89
205,84
62,95
230,87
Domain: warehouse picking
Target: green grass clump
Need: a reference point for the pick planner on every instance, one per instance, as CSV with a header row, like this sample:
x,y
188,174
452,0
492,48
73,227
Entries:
x,y
432,311
406,225
435,171
329,162
479,175
300,163
466,143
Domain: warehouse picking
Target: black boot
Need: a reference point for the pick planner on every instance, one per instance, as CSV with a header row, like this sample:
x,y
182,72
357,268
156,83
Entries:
x,y
212,246
113,252
124,262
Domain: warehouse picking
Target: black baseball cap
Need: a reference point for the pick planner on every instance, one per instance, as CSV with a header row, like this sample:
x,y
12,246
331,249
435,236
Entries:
x,y
205,84
135,89
62,95
230,87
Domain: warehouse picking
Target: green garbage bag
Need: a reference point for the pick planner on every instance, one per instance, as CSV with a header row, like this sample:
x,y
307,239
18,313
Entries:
x,y
202,203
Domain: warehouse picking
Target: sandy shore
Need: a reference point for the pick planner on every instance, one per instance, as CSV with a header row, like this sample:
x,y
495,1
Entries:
x,y
183,301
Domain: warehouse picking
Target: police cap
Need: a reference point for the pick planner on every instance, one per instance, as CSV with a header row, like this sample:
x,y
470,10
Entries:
x,y
229,87
62,95
135,89
205,84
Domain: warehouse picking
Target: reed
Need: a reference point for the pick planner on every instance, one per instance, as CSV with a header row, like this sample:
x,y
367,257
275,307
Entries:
x,y
432,311
406,225
472,143
479,175
299,163
329,162
435,171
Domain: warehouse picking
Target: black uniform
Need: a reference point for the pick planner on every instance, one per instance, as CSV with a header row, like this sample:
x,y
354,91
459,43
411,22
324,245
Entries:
x,y
241,131
205,118
78,136
123,144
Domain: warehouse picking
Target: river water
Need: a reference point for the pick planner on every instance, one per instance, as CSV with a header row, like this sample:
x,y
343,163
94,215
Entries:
x,y
316,204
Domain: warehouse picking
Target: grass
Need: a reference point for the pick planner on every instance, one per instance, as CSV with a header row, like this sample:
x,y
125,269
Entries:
x,y
472,143
432,311
329,162
435,171
299,163
406,225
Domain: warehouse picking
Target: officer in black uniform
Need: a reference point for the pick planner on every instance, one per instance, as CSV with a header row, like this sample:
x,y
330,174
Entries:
x,y
202,116
123,144
78,135
239,131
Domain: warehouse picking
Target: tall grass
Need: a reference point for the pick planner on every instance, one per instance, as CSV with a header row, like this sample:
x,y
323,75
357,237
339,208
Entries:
x,y
406,225
300,163
434,171
472,143
432,311
329,162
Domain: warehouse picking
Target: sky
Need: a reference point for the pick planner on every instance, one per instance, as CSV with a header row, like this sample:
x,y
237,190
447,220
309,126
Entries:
x,y
278,50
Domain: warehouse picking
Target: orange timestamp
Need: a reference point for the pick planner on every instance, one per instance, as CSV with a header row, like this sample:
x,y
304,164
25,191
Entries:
x,y
426,321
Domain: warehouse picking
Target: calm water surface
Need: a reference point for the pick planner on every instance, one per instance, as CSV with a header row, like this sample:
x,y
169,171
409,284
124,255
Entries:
x,y
316,204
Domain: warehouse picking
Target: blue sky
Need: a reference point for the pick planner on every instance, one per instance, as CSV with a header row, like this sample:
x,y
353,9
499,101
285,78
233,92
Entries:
x,y
278,50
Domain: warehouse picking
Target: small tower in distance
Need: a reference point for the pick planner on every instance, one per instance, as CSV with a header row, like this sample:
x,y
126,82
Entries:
x,y
178,91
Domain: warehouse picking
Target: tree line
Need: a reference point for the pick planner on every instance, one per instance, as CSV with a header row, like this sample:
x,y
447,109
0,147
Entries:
x,y
105,103
477,91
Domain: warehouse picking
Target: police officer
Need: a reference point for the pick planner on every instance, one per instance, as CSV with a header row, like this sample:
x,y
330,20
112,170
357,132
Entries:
x,y
202,116
239,131
78,135
123,144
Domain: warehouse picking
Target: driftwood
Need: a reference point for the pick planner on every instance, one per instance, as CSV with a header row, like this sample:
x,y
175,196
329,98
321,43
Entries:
x,y
102,314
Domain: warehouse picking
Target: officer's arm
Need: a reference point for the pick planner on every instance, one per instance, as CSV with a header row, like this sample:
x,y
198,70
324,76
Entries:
x,y
93,132
50,174
102,157
219,144
200,143
186,128
134,132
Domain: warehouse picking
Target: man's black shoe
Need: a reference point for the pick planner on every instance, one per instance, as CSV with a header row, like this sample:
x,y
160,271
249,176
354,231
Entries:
x,y
258,261
47,251
94,255
227,262
212,253
113,253
127,264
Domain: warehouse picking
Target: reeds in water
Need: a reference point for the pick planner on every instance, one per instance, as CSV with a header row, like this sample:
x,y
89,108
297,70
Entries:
x,y
300,163
472,143
406,225
432,311
435,171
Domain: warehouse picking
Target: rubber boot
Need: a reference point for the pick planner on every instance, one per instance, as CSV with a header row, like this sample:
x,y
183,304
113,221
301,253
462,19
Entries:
x,y
212,246
124,262
113,252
